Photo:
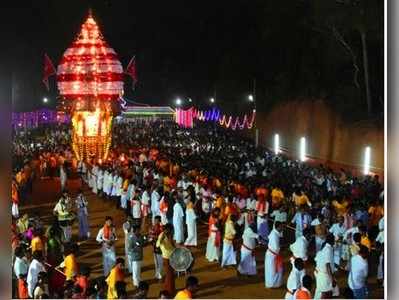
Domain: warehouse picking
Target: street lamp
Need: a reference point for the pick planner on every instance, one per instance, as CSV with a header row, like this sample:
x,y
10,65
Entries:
x,y
212,100
178,101
45,100
189,100
251,98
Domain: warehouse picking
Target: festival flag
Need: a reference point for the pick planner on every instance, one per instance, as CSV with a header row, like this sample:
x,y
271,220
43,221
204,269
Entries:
x,y
131,70
48,70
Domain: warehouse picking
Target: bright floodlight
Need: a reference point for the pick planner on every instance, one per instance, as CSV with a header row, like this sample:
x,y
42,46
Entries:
x,y
45,100
178,101
189,100
302,149
251,98
212,100
367,160
276,144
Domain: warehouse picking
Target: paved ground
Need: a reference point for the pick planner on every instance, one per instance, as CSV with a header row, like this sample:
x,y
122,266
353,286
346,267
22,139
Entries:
x,y
214,282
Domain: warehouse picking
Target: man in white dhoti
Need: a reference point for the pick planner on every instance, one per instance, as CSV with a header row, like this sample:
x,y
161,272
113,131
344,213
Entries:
x,y
107,237
35,267
94,172
320,231
338,230
228,253
114,188
214,236
273,258
247,264
100,181
178,217
155,202
380,246
299,249
301,220
127,227
294,280
191,222
63,177
145,205
357,277
135,247
119,189
324,269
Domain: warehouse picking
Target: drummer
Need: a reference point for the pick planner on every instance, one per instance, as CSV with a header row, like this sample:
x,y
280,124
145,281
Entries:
x,y
107,237
62,211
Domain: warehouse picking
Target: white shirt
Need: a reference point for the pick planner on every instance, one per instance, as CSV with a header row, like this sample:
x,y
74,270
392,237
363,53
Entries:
x,y
178,212
280,216
145,198
294,280
35,268
323,257
350,231
136,208
337,230
299,249
251,204
155,202
249,238
20,266
274,241
358,273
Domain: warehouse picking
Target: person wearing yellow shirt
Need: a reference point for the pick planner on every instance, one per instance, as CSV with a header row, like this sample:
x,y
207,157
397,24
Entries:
x,y
70,264
116,275
165,243
300,198
341,207
189,291
36,242
277,197
365,241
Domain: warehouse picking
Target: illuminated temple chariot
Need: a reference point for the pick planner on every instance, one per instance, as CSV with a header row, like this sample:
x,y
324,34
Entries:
x,y
90,82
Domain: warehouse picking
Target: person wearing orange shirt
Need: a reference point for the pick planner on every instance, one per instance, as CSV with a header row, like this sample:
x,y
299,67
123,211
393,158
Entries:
x,y
189,291
303,293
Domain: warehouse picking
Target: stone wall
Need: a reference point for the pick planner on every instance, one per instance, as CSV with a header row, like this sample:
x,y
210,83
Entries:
x,y
329,138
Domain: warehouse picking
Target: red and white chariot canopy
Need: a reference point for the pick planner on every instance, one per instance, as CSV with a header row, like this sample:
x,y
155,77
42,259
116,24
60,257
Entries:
x,y
90,68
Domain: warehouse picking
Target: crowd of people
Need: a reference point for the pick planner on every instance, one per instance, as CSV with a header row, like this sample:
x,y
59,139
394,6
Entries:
x,y
169,180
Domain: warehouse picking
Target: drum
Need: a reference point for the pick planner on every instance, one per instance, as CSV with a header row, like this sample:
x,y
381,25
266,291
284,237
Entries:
x,y
181,259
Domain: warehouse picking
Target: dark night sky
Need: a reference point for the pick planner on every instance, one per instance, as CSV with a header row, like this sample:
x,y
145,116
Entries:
x,y
183,48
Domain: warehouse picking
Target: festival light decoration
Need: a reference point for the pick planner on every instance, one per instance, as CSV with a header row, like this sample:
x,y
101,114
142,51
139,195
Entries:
x,y
367,154
90,79
302,149
276,144
215,115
